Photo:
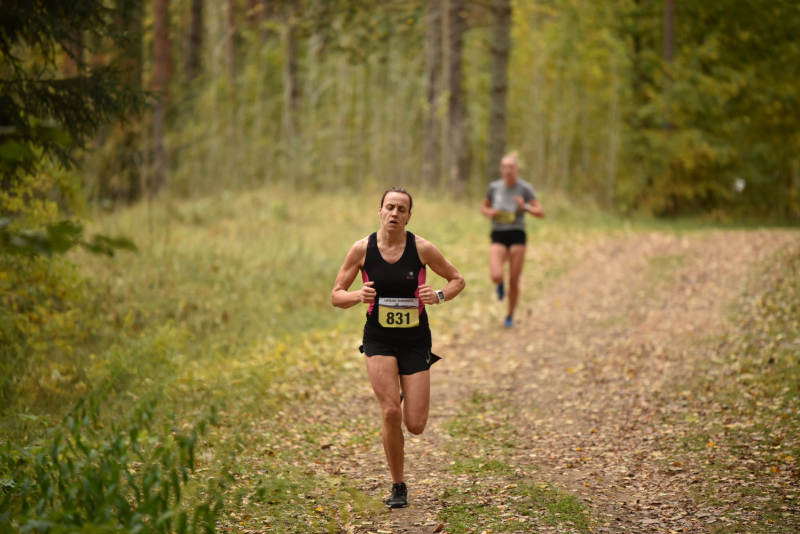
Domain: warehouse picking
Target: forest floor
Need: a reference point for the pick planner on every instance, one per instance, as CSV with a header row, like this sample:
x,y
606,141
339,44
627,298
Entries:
x,y
582,418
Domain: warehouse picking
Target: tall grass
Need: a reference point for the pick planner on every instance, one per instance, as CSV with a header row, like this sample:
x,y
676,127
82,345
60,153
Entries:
x,y
235,276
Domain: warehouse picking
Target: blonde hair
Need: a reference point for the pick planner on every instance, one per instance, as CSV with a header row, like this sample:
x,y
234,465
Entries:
x,y
514,156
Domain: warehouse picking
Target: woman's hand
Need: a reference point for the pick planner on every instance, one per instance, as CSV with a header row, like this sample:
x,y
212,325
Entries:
x,y
367,294
488,210
427,296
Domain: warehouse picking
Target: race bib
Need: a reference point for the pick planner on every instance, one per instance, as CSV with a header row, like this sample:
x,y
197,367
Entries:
x,y
506,217
398,313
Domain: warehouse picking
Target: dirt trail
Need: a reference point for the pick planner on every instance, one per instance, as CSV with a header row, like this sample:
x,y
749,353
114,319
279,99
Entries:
x,y
586,369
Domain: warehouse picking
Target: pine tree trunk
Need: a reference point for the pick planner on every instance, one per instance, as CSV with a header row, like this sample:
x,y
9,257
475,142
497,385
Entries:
x,y
70,66
253,15
267,11
669,31
669,53
130,61
193,66
457,128
568,139
500,50
613,137
161,77
431,135
556,122
640,78
230,43
291,86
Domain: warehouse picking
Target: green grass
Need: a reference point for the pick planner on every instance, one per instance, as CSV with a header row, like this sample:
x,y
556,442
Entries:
x,y
512,508
470,466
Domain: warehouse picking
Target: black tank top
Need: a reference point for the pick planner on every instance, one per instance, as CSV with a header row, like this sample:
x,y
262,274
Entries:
x,y
400,279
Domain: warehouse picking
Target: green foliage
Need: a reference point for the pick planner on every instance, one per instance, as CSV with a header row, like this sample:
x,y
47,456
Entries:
x,y
45,314
723,112
133,478
46,309
42,112
57,238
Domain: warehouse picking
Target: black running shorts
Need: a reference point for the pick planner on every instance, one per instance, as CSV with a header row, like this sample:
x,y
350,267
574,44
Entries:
x,y
410,360
509,237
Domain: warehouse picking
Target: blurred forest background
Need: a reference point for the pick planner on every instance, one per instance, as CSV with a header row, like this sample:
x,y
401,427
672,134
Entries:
x,y
669,108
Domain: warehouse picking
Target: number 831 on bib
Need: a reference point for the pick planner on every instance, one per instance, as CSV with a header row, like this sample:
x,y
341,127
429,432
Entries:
x,y
398,313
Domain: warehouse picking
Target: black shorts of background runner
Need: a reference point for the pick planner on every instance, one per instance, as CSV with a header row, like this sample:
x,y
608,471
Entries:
x,y
410,360
509,237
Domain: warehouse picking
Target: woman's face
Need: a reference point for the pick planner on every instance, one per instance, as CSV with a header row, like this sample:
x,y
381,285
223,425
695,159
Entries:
x,y
395,211
509,169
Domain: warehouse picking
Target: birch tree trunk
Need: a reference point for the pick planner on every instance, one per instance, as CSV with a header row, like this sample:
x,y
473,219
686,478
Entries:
x,y
161,77
431,135
192,65
500,51
457,128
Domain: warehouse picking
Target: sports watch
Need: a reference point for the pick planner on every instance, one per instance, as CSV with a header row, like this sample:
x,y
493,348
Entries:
x,y
440,294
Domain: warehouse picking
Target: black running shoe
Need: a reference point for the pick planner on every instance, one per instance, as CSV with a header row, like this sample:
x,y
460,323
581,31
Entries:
x,y
399,498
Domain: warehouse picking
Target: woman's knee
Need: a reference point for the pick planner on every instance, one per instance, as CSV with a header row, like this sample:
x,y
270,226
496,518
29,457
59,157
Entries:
x,y
416,427
392,415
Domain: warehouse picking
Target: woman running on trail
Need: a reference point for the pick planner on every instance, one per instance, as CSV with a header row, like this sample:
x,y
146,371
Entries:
x,y
506,203
397,338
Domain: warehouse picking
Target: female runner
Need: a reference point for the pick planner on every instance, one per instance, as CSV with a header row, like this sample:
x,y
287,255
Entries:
x,y
507,200
397,338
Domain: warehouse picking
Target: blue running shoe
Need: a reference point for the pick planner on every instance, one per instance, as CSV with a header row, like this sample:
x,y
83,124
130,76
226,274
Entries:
x,y
509,322
501,291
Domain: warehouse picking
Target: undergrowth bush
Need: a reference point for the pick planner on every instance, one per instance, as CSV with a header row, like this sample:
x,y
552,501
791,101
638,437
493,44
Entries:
x,y
129,478
45,312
